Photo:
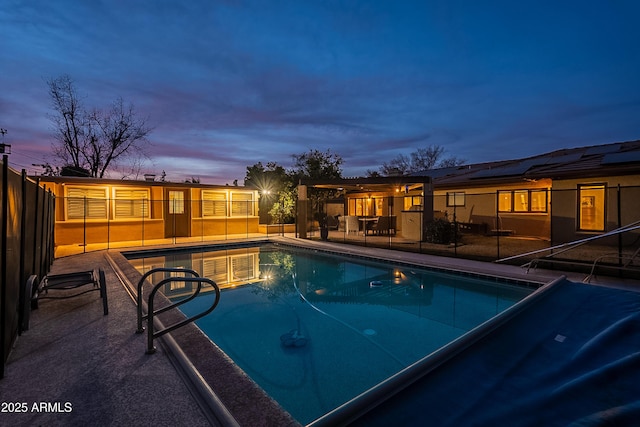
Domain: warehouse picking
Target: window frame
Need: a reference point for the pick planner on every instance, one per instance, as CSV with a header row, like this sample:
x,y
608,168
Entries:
x,y
250,211
545,204
216,202
505,193
581,207
412,200
453,199
512,195
176,205
146,202
87,189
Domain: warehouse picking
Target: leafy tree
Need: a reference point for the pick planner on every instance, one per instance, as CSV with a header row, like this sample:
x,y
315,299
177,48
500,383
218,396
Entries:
x,y
277,191
278,186
268,179
420,160
284,208
315,164
94,140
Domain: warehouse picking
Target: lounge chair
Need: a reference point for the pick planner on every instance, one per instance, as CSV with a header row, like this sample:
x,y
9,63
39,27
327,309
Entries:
x,y
31,287
70,281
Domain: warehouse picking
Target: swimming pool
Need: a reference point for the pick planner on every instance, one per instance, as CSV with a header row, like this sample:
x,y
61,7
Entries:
x,y
316,329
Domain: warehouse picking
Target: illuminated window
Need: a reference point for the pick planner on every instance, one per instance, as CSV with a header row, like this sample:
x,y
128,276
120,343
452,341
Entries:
x,y
131,203
356,207
504,201
455,199
86,203
592,207
538,200
214,203
521,201
176,202
378,204
241,204
412,203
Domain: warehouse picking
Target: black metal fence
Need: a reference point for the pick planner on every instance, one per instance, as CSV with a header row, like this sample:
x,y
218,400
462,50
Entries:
x,y
27,212
495,225
88,224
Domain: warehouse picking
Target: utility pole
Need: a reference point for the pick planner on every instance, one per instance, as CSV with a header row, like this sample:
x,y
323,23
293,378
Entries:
x,y
4,148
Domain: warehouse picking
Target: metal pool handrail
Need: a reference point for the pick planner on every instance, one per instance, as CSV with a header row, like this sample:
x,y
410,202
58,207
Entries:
x,y
570,245
141,317
199,280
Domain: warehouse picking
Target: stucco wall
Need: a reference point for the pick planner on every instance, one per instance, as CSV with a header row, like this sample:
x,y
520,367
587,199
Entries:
x,y
481,208
622,208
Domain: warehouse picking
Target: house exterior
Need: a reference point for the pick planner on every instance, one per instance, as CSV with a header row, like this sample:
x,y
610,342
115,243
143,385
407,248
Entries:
x,y
91,210
560,196
563,196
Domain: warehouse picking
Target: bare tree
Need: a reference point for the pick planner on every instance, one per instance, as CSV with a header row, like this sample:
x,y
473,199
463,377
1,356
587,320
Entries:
x,y
421,160
399,165
94,141
118,134
70,123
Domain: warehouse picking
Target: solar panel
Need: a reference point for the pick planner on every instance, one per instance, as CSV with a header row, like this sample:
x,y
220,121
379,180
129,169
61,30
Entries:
x,y
625,157
601,149
566,158
516,168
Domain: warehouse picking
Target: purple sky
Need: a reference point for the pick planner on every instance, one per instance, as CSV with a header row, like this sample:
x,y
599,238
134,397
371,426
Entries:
x,y
227,84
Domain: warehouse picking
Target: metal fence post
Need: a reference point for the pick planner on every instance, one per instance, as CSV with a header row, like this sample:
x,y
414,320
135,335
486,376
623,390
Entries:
x,y
3,261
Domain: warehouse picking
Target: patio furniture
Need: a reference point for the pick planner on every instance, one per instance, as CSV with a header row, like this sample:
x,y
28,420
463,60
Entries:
x,y
384,225
351,224
367,223
70,282
31,286
333,222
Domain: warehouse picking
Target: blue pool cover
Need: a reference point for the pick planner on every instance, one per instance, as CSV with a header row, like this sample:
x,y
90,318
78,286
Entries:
x,y
570,358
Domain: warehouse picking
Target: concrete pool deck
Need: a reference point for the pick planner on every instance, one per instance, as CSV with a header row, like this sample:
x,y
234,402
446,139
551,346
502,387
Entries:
x,y
91,369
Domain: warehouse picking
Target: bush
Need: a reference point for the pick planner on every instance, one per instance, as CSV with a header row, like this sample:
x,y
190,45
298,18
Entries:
x,y
440,231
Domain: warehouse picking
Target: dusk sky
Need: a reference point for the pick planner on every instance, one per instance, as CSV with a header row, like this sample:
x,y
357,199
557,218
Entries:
x,y
229,83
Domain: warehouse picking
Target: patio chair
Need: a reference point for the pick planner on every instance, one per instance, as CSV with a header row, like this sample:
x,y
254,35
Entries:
x,y
69,282
333,222
351,224
384,225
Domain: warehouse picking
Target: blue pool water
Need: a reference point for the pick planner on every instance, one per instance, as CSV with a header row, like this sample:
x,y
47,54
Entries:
x,y
314,329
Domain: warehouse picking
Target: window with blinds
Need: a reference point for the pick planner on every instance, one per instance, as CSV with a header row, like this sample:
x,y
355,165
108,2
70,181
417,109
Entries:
x,y
241,204
131,203
214,203
86,203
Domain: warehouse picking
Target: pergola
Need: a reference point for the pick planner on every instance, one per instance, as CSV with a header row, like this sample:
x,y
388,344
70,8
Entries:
x,y
390,185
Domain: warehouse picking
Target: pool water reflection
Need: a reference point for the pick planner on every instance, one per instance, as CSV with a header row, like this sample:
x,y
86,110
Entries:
x,y
314,330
